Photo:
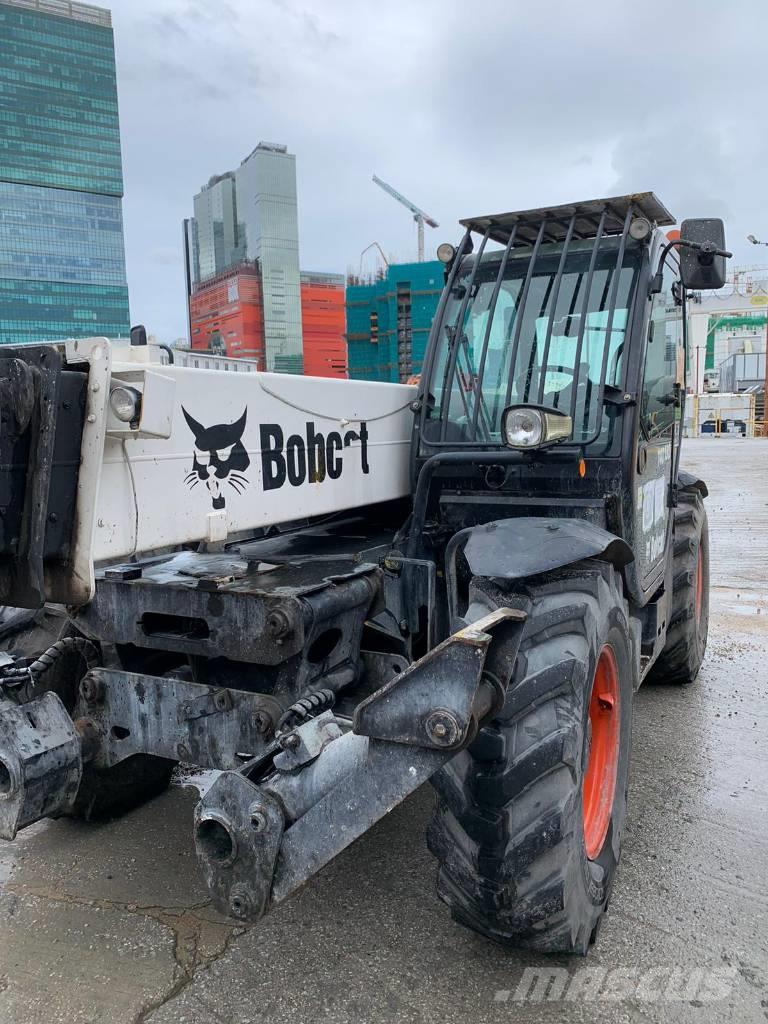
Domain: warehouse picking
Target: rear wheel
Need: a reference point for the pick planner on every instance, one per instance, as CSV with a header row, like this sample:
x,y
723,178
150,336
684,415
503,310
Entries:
x,y
529,819
109,792
686,640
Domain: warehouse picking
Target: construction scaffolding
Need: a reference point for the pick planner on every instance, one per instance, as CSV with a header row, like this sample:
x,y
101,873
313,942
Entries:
x,y
388,321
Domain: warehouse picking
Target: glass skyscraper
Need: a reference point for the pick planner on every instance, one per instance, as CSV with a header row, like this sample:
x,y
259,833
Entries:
x,y
268,207
251,214
62,258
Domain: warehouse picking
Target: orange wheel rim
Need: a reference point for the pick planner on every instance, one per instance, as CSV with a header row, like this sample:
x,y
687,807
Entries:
x,y
699,587
599,786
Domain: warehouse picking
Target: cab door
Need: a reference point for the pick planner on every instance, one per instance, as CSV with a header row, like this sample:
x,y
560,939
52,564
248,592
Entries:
x,y
660,423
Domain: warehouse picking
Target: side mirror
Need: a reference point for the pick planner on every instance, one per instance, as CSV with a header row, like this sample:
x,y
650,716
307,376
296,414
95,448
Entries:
x,y
702,263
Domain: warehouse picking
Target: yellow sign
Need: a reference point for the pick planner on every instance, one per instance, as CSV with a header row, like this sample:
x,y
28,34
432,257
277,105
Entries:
x,y
759,300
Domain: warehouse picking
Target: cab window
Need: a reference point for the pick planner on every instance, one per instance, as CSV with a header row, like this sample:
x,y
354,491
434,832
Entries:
x,y
663,357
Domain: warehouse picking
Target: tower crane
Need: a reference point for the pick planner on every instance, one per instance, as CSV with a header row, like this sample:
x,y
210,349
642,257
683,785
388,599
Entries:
x,y
419,216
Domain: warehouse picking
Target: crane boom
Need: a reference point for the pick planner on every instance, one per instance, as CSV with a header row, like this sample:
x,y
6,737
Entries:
x,y
419,215
406,202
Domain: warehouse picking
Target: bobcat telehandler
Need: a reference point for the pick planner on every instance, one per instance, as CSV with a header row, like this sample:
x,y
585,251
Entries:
x,y
332,591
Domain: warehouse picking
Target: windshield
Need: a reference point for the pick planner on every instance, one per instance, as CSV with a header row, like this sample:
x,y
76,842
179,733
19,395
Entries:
x,y
553,348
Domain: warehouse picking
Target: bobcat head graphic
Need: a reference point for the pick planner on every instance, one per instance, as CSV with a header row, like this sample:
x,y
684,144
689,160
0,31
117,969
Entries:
x,y
219,457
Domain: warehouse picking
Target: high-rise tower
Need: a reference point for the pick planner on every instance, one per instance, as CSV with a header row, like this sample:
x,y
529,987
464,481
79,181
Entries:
x,y
250,215
62,258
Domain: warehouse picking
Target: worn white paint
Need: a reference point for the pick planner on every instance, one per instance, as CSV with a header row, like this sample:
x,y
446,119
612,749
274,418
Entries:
x,y
132,493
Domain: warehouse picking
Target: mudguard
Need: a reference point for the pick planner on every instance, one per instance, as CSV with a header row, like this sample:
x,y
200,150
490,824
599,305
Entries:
x,y
512,549
689,482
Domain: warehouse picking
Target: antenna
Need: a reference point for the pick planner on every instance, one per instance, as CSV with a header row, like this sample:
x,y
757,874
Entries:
x,y
419,215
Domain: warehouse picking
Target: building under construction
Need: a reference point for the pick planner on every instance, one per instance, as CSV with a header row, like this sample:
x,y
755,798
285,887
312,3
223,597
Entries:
x,y
388,320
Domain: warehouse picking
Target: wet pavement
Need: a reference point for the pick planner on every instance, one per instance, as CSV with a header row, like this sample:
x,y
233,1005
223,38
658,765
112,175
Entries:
x,y
111,923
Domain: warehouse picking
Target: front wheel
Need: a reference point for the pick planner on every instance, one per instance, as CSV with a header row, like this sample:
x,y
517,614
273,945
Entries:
x,y
529,819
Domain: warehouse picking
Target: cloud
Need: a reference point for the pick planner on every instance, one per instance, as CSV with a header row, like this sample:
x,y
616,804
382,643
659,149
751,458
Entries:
x,y
465,110
164,255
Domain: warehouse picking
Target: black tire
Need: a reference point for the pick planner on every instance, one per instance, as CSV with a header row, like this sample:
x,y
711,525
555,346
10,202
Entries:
x,y
107,792
686,640
508,826
28,633
110,792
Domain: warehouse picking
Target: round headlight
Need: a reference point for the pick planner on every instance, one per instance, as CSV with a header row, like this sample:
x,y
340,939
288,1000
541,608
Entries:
x,y
446,252
523,428
124,403
640,228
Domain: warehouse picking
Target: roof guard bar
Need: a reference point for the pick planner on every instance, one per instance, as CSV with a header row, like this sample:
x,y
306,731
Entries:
x,y
645,204
462,393
465,247
553,310
596,219
609,326
458,336
520,310
472,389
488,328
585,309
533,349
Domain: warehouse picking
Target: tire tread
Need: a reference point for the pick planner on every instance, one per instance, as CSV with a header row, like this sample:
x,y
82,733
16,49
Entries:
x,y
503,829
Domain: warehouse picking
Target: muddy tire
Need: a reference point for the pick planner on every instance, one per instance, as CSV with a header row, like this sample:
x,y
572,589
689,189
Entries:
x,y
29,632
113,791
686,641
521,859
108,792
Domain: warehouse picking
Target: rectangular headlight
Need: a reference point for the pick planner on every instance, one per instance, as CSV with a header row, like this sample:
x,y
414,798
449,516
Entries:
x,y
526,426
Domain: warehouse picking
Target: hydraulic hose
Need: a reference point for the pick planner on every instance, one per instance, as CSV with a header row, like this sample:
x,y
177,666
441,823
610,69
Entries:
x,y
17,681
85,648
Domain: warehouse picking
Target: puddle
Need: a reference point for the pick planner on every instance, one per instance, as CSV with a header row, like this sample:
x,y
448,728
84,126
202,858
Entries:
x,y
729,601
201,779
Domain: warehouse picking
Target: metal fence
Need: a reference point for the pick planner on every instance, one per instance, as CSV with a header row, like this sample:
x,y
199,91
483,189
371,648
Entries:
x,y
720,414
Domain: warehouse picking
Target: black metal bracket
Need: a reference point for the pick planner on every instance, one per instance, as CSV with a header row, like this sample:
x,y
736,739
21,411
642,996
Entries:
x,y
437,702
336,784
616,397
132,713
238,831
41,762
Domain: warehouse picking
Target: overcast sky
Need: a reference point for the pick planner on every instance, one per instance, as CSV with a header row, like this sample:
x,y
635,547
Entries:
x,y
467,108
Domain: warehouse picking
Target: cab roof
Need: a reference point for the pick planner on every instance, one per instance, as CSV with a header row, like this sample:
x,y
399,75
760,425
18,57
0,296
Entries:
x,y
586,217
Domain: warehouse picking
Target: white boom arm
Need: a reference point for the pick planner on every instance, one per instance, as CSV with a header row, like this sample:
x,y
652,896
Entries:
x,y
211,454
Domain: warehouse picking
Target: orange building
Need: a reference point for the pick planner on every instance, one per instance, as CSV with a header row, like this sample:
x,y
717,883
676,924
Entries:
x,y
226,316
323,325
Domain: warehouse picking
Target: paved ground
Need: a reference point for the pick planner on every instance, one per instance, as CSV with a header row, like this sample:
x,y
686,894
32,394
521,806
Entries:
x,y
112,924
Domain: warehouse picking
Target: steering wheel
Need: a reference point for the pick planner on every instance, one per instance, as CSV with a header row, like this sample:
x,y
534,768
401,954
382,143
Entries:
x,y
549,369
